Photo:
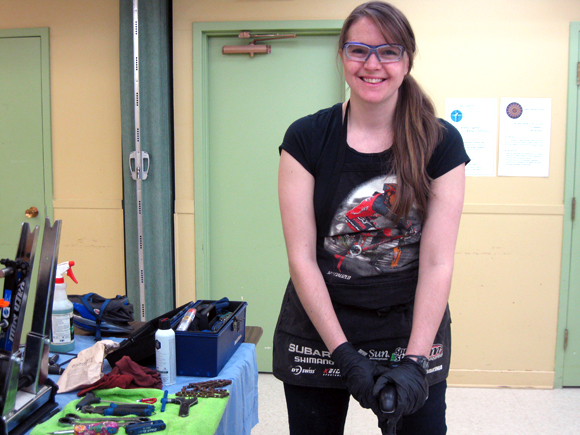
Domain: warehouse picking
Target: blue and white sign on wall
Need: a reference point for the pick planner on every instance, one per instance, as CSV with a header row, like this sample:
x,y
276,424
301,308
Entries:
x,y
456,115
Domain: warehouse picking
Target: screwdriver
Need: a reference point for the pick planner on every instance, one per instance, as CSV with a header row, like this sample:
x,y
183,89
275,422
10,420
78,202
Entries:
x,y
105,427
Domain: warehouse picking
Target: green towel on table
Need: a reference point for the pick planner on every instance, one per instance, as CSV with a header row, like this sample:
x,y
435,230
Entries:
x,y
203,419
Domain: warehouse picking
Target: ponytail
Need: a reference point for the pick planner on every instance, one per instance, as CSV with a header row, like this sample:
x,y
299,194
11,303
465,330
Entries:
x,y
417,132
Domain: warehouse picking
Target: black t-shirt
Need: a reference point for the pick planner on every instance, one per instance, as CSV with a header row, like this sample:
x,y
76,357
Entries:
x,y
367,256
359,238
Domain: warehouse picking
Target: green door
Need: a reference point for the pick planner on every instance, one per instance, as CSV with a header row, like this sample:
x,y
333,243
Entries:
x,y
25,180
570,296
243,105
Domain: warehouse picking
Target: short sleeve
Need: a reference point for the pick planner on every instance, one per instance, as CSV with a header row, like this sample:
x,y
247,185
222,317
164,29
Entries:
x,y
449,153
308,138
296,142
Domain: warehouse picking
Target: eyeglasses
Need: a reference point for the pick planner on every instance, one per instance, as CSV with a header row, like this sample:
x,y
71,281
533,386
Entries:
x,y
362,52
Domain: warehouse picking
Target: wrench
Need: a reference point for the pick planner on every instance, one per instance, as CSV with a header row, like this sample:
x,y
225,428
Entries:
x,y
72,419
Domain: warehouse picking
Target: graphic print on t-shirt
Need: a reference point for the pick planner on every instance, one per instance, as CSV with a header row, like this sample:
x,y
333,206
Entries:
x,y
366,238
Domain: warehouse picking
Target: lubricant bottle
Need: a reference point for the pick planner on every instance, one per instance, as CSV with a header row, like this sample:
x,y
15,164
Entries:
x,y
62,337
165,361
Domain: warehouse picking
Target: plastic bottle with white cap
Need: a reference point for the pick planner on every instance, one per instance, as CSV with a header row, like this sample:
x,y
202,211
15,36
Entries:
x,y
165,362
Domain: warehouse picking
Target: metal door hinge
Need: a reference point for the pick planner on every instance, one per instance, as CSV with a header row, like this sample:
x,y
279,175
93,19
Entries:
x,y
573,208
565,339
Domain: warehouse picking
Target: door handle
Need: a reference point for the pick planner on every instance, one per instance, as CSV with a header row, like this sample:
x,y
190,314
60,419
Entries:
x,y
31,212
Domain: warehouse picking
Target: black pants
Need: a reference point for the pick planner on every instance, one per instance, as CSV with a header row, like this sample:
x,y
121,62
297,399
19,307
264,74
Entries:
x,y
322,411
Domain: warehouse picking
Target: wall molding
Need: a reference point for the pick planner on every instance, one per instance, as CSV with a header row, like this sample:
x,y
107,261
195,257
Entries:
x,y
184,206
527,209
87,204
501,378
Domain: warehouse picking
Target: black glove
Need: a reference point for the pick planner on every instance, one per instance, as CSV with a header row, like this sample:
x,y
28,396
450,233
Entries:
x,y
410,380
359,373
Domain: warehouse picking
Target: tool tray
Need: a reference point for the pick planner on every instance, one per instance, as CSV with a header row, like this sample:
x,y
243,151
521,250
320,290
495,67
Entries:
x,y
198,353
205,353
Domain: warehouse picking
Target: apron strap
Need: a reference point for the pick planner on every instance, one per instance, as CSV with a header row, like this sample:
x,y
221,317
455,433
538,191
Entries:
x,y
334,180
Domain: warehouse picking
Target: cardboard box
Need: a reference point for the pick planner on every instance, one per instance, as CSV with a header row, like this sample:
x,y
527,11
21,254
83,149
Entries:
x,y
204,354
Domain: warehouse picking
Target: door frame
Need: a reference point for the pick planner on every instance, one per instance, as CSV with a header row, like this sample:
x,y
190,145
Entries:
x,y
44,34
572,141
202,31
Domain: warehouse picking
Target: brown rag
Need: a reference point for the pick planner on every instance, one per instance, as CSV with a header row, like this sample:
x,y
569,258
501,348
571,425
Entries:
x,y
126,374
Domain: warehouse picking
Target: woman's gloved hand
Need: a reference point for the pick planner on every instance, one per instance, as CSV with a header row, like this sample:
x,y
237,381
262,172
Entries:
x,y
359,373
410,380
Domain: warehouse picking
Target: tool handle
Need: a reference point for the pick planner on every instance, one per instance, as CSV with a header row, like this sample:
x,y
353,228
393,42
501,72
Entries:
x,y
388,405
164,400
139,410
104,427
222,304
89,399
388,399
184,406
146,427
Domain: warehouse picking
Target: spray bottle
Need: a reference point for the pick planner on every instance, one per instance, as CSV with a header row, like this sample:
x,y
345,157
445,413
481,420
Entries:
x,y
62,336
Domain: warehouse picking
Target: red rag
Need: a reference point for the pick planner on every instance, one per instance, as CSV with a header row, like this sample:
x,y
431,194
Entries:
x,y
143,377
126,374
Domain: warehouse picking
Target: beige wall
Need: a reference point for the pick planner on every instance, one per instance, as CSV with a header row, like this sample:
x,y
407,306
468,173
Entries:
x,y
86,133
506,286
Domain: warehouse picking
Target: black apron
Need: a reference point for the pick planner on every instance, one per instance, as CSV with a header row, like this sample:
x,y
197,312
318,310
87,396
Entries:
x,y
375,309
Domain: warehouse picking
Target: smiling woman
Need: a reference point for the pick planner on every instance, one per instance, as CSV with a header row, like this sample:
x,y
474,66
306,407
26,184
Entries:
x,y
367,188
372,79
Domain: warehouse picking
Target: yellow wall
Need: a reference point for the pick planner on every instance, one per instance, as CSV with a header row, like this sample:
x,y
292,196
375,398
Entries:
x,y
86,133
506,285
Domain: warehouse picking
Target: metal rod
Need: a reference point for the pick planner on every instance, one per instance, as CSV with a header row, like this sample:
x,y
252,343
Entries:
x,y
138,161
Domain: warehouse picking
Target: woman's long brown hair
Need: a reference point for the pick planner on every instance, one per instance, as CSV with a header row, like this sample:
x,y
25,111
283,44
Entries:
x,y
417,130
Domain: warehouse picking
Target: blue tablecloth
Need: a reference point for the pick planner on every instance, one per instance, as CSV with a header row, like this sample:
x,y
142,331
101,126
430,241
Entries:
x,y
241,413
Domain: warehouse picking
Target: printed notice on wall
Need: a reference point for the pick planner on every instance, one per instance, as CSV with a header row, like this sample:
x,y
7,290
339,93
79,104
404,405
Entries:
x,y
476,120
524,138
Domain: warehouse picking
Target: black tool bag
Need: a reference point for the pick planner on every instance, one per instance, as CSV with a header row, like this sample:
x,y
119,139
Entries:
x,y
102,314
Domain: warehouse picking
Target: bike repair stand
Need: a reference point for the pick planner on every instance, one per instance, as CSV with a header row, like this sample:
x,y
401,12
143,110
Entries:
x,y
27,395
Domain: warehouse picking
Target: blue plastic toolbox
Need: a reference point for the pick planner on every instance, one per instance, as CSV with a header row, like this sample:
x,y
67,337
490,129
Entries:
x,y
205,353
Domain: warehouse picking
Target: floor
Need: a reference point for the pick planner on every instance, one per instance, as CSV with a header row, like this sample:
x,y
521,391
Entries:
x,y
471,411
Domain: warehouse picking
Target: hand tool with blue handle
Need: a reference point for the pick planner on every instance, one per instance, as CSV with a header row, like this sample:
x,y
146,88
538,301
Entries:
x,y
164,401
148,427
125,409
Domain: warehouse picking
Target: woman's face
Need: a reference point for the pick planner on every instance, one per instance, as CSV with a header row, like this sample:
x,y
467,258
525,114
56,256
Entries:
x,y
372,81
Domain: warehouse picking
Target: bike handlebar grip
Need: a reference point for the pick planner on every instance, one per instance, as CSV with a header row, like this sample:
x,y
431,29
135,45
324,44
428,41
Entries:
x,y
388,399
